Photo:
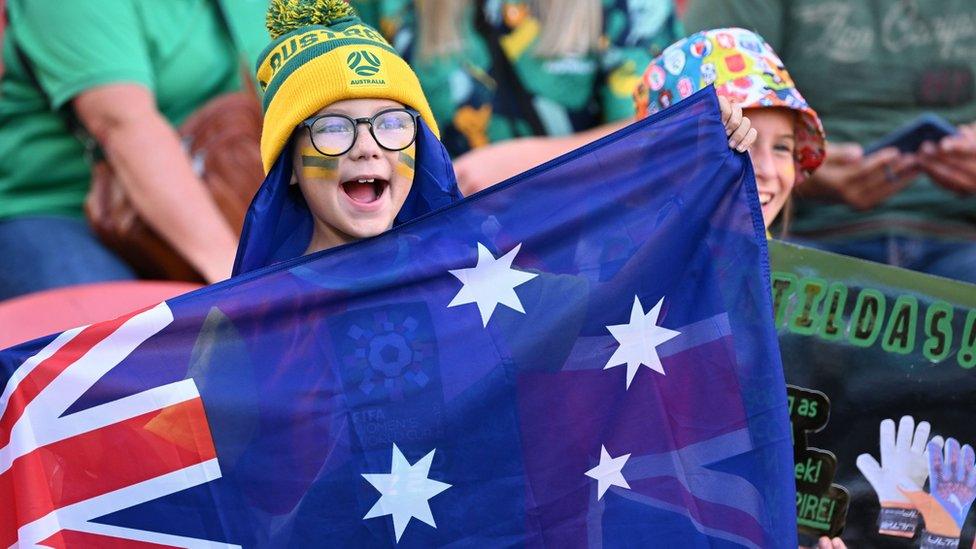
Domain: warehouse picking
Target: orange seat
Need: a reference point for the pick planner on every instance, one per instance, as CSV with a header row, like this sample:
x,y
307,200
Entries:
x,y
41,313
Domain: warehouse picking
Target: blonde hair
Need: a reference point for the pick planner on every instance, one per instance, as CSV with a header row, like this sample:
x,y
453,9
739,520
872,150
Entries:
x,y
567,28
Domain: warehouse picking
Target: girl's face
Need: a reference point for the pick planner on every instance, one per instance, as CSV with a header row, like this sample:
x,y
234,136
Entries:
x,y
772,157
359,193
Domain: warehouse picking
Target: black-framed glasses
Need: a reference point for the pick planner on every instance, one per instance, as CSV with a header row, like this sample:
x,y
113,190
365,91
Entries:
x,y
334,134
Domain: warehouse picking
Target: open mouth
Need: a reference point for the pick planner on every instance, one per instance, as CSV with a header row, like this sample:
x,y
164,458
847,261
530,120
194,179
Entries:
x,y
365,190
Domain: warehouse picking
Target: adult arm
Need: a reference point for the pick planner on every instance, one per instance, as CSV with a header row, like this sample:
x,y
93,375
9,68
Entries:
x,y
94,57
157,175
485,166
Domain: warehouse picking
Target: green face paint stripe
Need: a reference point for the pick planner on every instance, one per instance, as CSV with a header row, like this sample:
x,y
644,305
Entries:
x,y
407,160
320,162
307,55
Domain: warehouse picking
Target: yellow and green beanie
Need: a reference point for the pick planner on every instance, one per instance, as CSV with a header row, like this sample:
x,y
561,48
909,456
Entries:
x,y
321,52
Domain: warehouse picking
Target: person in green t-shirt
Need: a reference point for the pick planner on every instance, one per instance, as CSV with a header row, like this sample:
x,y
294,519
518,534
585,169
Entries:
x,y
868,68
577,63
129,71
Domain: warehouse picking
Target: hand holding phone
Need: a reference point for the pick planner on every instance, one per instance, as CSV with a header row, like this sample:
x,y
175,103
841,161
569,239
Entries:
x,y
861,181
909,138
951,162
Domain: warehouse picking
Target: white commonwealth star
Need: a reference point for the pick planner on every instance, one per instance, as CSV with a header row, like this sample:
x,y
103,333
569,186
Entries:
x,y
405,491
490,282
608,472
639,340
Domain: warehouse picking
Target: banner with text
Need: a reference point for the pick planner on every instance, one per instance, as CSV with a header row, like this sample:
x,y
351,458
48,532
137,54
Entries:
x,y
889,353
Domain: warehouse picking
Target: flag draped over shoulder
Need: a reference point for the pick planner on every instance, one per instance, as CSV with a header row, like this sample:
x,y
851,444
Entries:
x,y
581,356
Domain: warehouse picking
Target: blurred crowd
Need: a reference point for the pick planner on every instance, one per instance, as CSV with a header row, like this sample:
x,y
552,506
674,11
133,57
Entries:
x,y
96,92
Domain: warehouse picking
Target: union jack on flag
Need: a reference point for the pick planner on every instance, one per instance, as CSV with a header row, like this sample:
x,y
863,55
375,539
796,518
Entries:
x,y
583,356
61,469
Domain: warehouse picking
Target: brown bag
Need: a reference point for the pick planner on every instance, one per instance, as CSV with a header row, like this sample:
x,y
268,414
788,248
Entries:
x,y
222,139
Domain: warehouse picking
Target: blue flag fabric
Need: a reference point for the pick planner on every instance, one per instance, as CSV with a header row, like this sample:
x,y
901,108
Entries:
x,y
582,356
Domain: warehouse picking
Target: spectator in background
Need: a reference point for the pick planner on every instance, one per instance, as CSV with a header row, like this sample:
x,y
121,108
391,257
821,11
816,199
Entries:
x,y
867,68
128,71
575,65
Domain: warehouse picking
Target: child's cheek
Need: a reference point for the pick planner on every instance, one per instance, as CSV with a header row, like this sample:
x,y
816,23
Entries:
x,y
315,165
405,162
788,174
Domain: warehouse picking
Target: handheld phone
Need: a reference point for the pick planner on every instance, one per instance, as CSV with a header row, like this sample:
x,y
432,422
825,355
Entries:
x,y
908,138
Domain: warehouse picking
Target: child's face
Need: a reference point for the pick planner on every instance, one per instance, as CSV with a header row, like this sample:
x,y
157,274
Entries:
x,y
772,157
359,193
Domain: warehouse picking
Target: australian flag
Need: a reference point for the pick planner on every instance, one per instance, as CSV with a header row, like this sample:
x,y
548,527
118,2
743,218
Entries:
x,y
582,356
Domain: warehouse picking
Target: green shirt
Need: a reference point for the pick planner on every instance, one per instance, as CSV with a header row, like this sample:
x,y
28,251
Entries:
x,y
867,68
178,49
569,93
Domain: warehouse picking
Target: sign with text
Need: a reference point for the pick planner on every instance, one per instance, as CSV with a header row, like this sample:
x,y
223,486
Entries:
x,y
821,505
891,353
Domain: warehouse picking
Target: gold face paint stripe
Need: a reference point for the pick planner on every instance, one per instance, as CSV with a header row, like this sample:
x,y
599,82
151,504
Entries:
x,y
319,173
405,163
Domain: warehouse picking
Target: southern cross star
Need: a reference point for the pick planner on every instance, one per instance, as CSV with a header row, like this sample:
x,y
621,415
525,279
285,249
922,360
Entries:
x,y
639,340
608,472
491,282
405,491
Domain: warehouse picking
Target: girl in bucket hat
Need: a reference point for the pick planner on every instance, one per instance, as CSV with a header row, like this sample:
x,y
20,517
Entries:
x,y
744,69
349,143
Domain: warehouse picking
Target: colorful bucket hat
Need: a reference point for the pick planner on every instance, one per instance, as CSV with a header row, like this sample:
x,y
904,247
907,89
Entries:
x,y
743,68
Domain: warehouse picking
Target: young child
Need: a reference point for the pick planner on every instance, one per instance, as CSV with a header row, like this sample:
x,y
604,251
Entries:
x,y
349,141
745,70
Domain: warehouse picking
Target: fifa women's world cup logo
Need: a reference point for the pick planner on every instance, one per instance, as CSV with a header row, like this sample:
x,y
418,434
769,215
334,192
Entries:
x,y
389,366
387,353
